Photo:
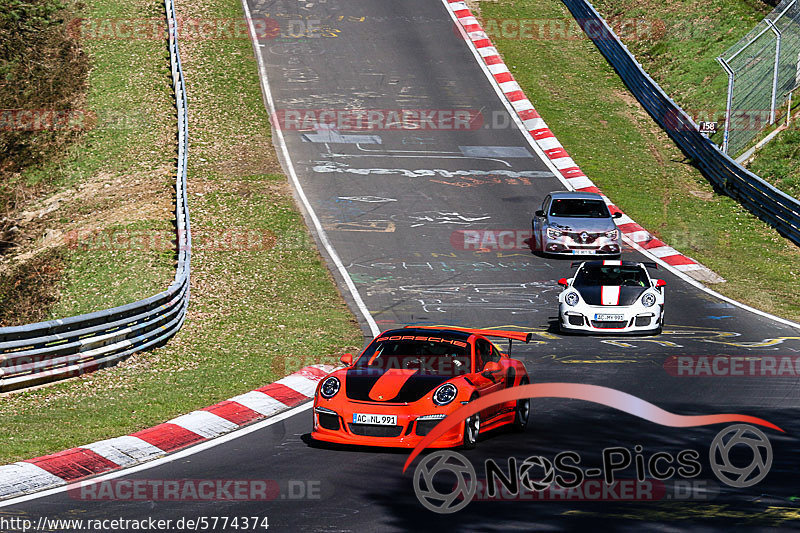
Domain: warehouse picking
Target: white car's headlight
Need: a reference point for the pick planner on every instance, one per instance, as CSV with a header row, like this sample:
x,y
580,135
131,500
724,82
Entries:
x,y
571,299
329,387
613,234
553,233
445,394
648,299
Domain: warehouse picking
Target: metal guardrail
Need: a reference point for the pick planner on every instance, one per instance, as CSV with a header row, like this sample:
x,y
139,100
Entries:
x,y
766,202
46,351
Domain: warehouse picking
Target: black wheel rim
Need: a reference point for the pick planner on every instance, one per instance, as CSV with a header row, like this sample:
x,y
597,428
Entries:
x,y
473,428
523,410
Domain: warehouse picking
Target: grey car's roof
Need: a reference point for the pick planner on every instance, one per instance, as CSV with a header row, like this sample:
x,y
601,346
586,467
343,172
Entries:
x,y
574,194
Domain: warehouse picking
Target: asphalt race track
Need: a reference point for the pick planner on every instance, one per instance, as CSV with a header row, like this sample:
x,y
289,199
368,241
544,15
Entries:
x,y
391,202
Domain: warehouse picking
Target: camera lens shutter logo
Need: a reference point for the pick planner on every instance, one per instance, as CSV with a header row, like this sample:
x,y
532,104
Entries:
x,y
453,465
540,484
723,443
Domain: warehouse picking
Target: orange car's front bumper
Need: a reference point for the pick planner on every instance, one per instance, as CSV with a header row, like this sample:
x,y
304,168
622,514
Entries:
x,y
403,435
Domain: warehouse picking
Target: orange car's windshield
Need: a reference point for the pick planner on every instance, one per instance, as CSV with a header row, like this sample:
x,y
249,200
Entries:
x,y
428,357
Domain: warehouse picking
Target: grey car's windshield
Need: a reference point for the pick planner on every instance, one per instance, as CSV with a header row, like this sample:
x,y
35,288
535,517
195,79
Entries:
x,y
594,275
578,208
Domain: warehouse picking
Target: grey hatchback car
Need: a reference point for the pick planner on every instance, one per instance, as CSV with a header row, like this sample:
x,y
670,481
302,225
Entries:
x,y
575,223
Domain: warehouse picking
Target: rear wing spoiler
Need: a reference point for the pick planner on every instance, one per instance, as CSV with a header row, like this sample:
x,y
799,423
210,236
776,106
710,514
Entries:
x,y
505,334
648,264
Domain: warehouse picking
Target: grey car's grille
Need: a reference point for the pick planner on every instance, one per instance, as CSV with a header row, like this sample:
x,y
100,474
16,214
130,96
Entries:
x,y
584,237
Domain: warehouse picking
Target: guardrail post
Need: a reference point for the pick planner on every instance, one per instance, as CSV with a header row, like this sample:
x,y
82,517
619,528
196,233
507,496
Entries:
x,y
731,76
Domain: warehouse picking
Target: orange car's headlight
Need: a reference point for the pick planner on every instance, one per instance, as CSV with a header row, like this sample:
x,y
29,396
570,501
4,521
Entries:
x,y
330,386
445,394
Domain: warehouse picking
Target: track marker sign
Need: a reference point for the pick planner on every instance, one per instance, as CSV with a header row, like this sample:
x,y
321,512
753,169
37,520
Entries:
x,y
707,128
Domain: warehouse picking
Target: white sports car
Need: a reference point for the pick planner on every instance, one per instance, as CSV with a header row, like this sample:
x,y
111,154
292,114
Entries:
x,y
611,297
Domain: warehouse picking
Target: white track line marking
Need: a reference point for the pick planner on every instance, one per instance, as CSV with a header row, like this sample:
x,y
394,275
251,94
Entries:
x,y
323,237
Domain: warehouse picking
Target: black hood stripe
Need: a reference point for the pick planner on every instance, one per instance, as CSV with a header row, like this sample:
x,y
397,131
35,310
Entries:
x,y
592,294
359,382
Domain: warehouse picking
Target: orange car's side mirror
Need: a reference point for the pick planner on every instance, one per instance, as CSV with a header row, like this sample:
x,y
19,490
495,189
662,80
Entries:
x,y
492,367
347,359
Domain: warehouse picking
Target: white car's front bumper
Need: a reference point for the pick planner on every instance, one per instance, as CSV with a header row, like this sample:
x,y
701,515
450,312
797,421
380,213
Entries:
x,y
630,319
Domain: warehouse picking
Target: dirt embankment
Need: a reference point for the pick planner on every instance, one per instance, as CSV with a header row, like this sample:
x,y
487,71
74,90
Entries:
x,y
43,74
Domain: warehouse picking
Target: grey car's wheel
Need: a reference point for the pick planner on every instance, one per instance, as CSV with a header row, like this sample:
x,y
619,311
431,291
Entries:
x,y
522,411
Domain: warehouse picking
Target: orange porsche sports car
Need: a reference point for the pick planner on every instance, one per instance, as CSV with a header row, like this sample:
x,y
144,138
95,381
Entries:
x,y
407,380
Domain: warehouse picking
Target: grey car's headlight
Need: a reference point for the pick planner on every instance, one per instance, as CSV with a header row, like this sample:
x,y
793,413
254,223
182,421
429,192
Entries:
x,y
613,234
553,233
571,299
329,387
445,394
648,299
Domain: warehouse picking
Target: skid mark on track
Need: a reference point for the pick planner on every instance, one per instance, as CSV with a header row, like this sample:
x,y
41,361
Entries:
x,y
511,297
439,218
327,167
375,226
764,343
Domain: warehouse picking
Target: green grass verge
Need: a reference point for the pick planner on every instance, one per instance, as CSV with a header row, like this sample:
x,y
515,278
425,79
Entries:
x,y
263,302
680,40
126,154
625,153
778,161
680,53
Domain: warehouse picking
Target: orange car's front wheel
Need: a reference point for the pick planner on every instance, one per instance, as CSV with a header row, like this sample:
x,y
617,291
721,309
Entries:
x,y
472,428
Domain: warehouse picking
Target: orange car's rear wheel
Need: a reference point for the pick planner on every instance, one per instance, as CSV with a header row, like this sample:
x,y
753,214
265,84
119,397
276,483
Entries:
x,y
472,428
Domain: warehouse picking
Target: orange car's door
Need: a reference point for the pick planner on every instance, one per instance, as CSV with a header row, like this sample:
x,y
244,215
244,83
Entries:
x,y
488,382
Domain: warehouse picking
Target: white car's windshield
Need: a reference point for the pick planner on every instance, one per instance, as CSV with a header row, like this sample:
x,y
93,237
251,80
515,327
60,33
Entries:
x,y
610,275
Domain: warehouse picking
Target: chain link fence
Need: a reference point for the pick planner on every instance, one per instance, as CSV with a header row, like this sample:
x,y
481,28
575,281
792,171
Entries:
x,y
771,205
762,71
